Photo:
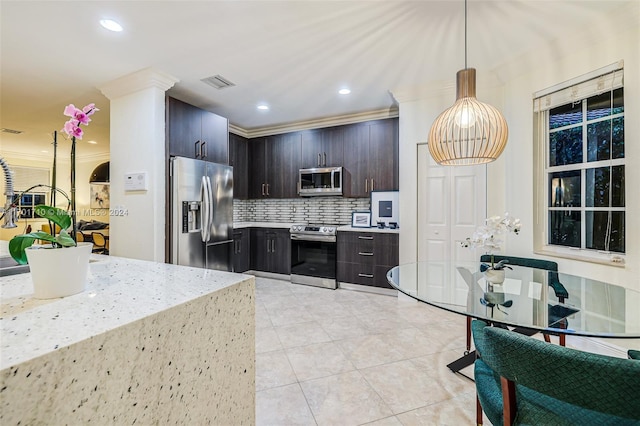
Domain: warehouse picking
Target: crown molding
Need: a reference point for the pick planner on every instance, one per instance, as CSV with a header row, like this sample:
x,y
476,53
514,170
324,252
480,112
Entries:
x,y
48,158
316,123
139,80
238,131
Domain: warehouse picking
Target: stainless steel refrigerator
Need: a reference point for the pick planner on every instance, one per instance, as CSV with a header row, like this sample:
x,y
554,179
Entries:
x,y
201,214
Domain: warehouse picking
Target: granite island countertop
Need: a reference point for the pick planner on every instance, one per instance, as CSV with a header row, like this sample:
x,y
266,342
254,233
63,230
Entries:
x,y
145,343
119,291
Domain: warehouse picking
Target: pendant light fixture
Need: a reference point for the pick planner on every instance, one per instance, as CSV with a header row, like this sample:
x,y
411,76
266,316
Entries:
x,y
469,132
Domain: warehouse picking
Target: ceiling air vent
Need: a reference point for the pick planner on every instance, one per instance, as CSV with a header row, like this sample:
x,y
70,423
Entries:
x,y
13,132
218,81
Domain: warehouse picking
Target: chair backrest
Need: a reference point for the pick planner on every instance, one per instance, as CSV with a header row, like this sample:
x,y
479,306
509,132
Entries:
x,y
46,228
523,261
560,291
596,382
98,239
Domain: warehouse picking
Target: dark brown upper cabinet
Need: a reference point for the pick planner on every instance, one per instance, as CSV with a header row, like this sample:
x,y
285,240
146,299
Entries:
x,y
195,133
239,159
323,147
371,157
274,164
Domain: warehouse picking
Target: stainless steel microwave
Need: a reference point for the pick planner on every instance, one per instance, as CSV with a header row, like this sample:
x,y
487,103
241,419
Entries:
x,y
320,181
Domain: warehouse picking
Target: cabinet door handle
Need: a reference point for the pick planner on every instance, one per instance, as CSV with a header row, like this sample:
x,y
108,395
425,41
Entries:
x,y
365,238
319,160
263,189
298,188
273,246
366,185
267,190
203,147
372,184
198,150
324,160
366,275
365,253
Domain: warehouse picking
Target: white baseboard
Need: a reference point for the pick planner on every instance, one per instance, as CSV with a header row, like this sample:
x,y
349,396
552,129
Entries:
x,y
368,289
271,275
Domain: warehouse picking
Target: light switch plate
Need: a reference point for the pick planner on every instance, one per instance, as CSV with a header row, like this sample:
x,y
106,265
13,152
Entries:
x,y
135,181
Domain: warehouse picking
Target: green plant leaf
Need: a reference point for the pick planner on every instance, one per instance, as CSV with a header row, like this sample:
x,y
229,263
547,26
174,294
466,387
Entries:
x,y
58,216
64,239
19,244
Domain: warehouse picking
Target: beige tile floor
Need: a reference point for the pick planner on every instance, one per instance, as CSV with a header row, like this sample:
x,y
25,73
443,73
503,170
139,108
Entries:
x,y
340,357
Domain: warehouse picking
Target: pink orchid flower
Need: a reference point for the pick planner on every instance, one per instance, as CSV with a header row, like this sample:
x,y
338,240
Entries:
x,y
90,109
71,128
78,117
82,117
70,110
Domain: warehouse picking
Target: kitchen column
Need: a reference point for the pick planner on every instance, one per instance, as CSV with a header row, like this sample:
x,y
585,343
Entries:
x,y
137,138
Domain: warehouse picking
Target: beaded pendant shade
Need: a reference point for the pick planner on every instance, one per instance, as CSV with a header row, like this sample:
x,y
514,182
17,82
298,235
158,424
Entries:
x,y
469,132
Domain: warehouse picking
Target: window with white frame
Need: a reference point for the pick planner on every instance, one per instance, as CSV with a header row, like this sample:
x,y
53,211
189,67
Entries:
x,y
581,160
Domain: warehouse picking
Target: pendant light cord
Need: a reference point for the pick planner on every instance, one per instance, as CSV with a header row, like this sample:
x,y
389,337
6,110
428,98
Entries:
x,y
465,34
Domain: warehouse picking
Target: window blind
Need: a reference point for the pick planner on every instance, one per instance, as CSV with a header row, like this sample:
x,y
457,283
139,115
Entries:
x,y
604,79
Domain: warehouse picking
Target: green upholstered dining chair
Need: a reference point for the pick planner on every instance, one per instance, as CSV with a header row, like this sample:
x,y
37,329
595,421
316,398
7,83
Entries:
x,y
553,281
518,382
633,354
552,267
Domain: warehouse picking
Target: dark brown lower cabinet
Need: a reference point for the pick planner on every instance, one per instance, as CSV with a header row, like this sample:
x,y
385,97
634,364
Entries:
x,y
365,257
241,250
270,250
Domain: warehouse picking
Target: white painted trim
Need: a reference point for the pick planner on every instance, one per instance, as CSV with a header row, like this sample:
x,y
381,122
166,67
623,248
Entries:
x,y
139,80
368,289
48,157
580,79
270,275
315,124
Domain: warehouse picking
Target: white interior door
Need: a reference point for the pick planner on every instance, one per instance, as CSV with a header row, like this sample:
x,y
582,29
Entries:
x,y
451,204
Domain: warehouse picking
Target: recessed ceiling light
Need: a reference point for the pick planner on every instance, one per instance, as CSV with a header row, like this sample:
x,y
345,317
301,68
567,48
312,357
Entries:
x,y
44,150
92,142
263,107
344,91
111,25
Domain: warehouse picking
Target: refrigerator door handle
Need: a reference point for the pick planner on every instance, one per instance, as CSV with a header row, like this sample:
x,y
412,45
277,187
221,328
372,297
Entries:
x,y
204,209
210,223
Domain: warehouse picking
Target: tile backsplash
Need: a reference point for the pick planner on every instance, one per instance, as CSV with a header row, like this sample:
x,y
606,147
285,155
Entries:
x,y
316,210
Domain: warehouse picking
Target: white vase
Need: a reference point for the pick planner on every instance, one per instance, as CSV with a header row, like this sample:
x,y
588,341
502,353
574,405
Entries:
x,y
494,276
58,272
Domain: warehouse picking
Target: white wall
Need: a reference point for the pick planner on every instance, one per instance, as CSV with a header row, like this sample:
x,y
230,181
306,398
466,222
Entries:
x,y
546,69
138,146
510,178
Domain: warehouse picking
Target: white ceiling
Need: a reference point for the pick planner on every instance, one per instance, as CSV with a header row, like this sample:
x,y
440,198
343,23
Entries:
x,y
293,55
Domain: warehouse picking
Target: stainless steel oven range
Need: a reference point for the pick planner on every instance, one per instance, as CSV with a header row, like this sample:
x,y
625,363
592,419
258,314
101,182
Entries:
x,y
313,255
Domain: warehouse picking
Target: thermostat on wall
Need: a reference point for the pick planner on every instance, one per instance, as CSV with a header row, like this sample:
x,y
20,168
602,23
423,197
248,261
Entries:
x,y
135,181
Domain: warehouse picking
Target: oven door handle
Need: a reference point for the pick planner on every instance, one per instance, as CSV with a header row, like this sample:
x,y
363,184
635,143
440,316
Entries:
x,y
322,238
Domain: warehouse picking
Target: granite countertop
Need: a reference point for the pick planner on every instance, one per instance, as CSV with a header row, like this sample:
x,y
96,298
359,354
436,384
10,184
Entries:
x,y
119,291
349,228
283,225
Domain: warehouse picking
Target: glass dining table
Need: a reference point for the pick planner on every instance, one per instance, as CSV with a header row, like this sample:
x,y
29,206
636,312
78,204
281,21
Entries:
x,y
525,300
